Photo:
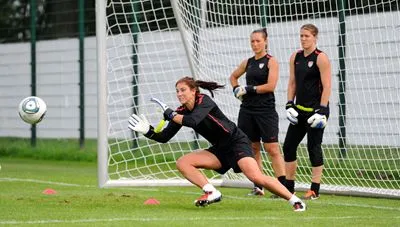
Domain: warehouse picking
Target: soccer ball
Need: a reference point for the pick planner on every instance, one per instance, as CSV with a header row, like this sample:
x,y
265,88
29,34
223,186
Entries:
x,y
32,109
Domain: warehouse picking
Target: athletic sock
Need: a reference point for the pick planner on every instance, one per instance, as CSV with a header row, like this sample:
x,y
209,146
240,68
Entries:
x,y
282,179
209,188
294,199
315,187
290,185
258,186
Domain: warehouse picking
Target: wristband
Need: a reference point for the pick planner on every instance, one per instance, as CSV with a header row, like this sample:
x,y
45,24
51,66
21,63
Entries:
x,y
250,89
323,110
289,104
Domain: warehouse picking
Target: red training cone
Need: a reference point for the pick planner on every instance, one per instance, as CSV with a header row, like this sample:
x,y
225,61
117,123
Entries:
x,y
151,201
49,191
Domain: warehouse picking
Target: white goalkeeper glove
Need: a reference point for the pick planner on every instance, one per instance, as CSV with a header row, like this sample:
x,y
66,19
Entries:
x,y
319,118
169,114
161,104
239,91
291,113
317,121
139,124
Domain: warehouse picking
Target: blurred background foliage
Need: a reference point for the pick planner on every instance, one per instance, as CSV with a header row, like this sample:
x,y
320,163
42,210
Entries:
x,y
60,18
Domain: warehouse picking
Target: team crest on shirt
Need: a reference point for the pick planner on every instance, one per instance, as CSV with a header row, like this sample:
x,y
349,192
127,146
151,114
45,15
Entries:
x,y
261,65
310,64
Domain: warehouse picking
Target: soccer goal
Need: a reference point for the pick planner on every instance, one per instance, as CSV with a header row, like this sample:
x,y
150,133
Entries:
x,y
145,46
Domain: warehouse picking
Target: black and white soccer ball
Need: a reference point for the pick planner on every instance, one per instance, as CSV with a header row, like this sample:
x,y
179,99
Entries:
x,y
32,109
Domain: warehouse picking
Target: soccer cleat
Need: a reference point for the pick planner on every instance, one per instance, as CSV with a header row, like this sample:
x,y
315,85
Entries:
x,y
299,206
208,198
256,191
310,195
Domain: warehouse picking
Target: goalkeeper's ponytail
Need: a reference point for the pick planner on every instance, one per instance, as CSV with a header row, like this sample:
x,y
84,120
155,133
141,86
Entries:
x,y
208,85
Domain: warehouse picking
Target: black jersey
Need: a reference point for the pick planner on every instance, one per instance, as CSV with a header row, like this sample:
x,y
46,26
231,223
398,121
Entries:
x,y
206,119
308,79
257,72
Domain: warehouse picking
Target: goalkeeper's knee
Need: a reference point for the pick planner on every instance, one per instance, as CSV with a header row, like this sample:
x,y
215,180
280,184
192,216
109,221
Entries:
x,y
316,158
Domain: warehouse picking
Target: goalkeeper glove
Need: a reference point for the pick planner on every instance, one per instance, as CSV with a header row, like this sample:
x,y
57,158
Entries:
x,y
319,118
239,91
139,124
291,113
169,114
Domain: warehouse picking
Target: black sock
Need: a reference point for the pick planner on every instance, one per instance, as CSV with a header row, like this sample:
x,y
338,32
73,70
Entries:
x,y
315,187
258,186
282,179
290,185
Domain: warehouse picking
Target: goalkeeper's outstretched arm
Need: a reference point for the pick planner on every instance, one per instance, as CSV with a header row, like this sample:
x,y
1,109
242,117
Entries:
x,y
164,135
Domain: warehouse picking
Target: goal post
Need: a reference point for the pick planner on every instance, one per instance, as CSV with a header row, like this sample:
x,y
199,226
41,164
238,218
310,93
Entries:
x,y
145,46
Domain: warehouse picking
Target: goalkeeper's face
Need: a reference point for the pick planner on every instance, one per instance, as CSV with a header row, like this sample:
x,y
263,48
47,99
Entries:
x,y
308,39
258,42
185,94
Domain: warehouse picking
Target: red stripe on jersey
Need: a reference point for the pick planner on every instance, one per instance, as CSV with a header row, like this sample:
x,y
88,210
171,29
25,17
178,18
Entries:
x,y
181,108
317,52
269,56
218,123
199,99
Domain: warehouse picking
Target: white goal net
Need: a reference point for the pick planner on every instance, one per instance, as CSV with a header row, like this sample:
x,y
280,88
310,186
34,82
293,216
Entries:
x,y
145,46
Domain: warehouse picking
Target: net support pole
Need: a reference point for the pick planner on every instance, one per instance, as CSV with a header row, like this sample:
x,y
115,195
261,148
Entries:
x,y
81,73
264,13
33,64
197,19
135,76
342,78
102,121
175,9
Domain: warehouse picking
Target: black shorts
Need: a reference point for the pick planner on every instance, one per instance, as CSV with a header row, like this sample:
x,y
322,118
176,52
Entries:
x,y
260,124
230,153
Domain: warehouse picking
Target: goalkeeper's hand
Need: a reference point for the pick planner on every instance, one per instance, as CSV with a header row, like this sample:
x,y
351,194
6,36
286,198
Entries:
x,y
239,91
139,124
319,118
169,114
291,113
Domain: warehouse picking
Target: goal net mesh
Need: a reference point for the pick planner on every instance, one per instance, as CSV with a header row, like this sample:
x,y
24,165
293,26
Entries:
x,y
151,44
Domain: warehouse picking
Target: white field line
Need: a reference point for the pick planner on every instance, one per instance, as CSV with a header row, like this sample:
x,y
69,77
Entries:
x,y
44,182
219,218
175,191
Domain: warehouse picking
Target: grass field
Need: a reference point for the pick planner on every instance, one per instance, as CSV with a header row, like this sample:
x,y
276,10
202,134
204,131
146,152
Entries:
x,y
79,202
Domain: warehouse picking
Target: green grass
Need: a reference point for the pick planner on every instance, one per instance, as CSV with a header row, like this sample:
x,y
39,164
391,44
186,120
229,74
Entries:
x,y
48,149
79,202
371,166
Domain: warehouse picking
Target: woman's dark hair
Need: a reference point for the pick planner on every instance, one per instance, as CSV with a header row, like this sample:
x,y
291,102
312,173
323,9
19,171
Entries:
x,y
208,85
263,31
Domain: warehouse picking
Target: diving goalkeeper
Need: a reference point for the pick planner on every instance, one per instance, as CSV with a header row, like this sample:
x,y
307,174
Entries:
x,y
230,146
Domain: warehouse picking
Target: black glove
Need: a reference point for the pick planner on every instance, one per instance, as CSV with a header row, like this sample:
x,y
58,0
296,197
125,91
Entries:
x,y
169,114
290,104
